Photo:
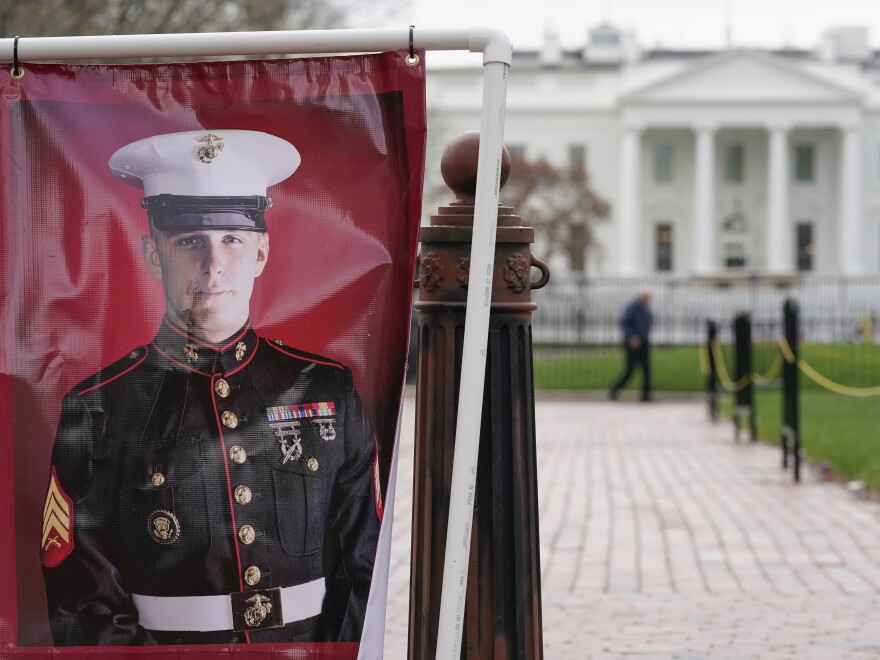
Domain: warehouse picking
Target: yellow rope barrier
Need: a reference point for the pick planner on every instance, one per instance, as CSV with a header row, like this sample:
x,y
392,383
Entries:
x,y
771,374
842,357
823,381
723,375
786,350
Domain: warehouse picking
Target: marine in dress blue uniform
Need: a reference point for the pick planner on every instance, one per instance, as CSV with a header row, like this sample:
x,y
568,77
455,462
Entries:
x,y
213,486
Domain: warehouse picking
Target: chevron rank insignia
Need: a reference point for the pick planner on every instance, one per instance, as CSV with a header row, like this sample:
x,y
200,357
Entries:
x,y
57,525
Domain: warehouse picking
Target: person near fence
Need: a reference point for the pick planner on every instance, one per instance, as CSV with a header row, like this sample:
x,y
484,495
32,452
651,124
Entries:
x,y
636,325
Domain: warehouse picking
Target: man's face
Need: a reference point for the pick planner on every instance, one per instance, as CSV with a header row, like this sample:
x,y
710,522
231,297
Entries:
x,y
208,277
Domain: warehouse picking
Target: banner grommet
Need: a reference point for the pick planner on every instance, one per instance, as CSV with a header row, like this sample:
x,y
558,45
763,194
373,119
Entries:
x,y
412,59
17,72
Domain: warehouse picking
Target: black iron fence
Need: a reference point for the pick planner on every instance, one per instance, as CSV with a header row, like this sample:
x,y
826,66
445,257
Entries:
x,y
578,317
580,310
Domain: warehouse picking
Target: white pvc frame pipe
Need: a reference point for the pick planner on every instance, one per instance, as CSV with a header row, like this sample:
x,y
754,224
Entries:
x,y
497,55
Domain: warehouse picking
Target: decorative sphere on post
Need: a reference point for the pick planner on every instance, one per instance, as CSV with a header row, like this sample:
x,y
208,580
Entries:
x,y
458,166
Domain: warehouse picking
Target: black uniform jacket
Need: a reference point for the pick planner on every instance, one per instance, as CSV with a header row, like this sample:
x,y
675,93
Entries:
x,y
185,469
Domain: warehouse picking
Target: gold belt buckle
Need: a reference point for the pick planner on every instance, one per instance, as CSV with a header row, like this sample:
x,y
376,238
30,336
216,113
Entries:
x,y
259,609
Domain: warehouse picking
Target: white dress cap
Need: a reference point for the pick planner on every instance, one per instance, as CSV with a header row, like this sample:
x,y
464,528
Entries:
x,y
215,162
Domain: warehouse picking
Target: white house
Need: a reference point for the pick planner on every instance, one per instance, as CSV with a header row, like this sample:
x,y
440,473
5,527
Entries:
x,y
715,163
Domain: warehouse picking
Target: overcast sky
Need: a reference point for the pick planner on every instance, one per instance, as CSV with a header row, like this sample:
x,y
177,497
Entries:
x,y
670,23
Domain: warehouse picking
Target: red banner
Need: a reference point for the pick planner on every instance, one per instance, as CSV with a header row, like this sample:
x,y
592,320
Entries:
x,y
207,273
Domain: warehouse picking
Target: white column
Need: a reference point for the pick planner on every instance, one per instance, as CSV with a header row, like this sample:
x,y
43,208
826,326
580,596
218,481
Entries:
x,y
851,239
629,237
779,235
704,200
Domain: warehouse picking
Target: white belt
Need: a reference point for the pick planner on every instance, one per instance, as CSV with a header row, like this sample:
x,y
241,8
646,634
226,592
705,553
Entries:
x,y
210,613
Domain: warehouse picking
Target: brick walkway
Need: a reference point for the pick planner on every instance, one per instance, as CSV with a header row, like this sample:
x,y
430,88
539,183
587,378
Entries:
x,y
663,538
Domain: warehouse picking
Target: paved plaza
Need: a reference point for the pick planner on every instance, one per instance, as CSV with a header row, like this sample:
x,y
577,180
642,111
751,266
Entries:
x,y
661,537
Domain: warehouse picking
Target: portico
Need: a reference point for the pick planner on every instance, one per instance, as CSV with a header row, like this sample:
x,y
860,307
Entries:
x,y
807,173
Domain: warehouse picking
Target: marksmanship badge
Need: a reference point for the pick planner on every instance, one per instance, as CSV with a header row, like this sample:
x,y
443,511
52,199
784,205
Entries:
x,y
289,436
326,430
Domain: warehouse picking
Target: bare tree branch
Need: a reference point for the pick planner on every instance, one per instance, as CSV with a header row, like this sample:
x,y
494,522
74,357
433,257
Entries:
x,y
48,18
560,204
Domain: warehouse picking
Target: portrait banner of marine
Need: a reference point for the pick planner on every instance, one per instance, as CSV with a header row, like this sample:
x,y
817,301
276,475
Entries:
x,y
207,271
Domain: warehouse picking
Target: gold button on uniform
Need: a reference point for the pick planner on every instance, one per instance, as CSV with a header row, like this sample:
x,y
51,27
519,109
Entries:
x,y
242,494
312,464
237,454
158,479
221,387
247,534
229,419
252,575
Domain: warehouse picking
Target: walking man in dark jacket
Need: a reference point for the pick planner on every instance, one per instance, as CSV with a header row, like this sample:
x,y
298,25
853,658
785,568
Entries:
x,y
636,324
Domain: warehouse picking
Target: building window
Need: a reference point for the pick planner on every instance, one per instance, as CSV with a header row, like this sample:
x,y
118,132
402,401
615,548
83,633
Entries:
x,y
663,163
805,249
734,166
734,255
577,157
517,151
664,246
804,164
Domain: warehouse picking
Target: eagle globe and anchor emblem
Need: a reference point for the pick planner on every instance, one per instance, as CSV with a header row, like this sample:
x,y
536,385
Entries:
x,y
257,613
213,145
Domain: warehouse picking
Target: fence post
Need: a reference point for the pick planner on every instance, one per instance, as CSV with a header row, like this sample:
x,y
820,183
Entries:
x,y
790,427
502,615
744,399
712,378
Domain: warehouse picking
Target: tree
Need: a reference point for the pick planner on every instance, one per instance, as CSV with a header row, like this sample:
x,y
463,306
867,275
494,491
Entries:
x,y
48,18
559,204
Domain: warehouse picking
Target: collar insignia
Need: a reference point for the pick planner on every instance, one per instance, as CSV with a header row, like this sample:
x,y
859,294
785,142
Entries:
x,y
192,351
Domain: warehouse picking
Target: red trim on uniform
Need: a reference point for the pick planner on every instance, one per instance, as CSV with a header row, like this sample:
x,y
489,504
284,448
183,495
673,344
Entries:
x,y
246,362
182,364
196,340
294,353
119,375
377,483
228,490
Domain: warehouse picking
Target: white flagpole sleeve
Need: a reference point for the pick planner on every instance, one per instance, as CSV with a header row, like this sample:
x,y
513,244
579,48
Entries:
x,y
473,365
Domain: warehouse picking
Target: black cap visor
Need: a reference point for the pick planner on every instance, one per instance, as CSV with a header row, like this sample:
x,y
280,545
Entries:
x,y
176,213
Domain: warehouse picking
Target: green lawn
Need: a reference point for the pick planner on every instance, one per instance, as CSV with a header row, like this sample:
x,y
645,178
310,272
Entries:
x,y
836,429
675,369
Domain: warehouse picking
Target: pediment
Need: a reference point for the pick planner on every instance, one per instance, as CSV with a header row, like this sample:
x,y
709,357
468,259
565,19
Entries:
x,y
742,77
